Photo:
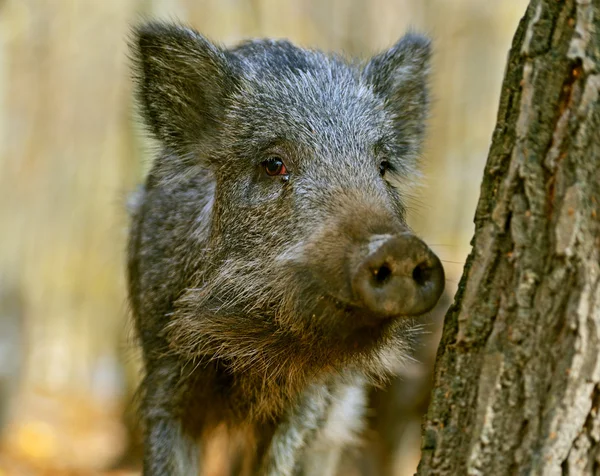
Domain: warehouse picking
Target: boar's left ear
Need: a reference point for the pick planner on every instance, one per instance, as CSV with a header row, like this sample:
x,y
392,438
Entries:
x,y
400,75
183,85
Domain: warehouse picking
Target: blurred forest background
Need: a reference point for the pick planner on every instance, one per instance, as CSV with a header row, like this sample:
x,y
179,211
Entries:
x,y
71,150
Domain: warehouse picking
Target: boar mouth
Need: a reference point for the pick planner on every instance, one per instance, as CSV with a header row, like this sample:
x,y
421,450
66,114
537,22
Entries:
x,y
362,317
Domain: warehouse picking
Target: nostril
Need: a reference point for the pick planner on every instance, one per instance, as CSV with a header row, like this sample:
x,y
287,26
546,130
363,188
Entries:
x,y
422,274
382,274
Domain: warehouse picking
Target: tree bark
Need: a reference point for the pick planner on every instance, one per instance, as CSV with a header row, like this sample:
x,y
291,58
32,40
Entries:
x,y
517,379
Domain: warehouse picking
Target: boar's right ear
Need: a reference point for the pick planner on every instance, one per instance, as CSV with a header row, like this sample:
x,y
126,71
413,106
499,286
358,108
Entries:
x,y
183,82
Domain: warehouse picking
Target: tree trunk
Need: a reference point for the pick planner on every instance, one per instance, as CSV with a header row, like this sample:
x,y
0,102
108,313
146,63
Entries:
x,y
517,379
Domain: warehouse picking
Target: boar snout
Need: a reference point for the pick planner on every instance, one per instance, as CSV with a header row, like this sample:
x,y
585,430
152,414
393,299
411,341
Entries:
x,y
400,276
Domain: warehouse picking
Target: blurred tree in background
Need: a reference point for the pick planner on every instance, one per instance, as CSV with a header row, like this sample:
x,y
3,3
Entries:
x,y
71,150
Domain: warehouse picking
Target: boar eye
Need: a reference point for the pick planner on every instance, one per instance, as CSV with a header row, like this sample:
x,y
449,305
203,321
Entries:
x,y
384,166
274,166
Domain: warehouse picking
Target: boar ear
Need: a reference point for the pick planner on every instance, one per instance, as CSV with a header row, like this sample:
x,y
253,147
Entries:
x,y
183,82
400,76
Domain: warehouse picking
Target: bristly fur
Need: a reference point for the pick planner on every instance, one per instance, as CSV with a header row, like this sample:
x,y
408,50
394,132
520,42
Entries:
x,y
238,281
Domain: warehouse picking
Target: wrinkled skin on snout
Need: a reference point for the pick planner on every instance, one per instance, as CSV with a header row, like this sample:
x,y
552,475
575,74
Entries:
x,y
269,246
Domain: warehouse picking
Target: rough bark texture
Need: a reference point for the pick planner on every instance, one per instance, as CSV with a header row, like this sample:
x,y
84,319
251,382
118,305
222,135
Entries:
x,y
517,380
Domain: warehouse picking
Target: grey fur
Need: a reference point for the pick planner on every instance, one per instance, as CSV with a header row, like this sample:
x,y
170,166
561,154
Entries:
x,y
238,281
